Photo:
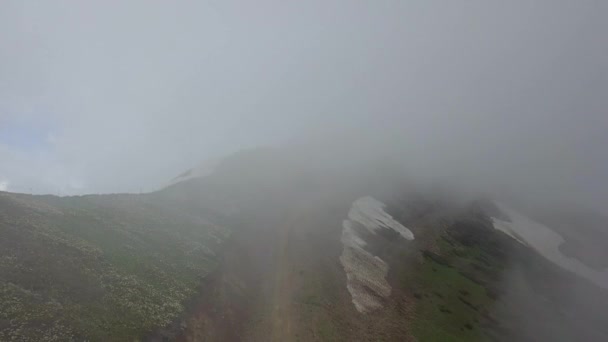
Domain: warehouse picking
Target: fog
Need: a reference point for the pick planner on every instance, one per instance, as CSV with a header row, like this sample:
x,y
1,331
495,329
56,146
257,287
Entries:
x,y
121,97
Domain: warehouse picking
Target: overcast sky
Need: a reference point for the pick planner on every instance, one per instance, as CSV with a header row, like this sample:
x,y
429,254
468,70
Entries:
x,y
109,96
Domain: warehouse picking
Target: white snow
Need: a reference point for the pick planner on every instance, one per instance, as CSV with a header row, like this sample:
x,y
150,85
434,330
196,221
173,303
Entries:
x,y
505,227
349,236
546,242
365,278
369,212
366,273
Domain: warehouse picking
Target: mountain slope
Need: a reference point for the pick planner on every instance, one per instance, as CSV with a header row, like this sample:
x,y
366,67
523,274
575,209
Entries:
x,y
106,267
279,245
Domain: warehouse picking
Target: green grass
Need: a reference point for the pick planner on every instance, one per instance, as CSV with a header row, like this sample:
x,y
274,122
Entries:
x,y
316,293
450,300
97,267
441,313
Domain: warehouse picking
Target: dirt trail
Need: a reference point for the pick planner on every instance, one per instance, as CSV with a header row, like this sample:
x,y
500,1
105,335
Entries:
x,y
250,296
283,290
280,280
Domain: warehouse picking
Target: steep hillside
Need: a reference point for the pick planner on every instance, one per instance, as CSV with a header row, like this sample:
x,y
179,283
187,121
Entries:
x,y
98,267
275,245
286,278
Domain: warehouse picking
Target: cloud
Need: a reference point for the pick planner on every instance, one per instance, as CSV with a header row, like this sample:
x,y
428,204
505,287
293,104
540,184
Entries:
x,y
4,185
132,96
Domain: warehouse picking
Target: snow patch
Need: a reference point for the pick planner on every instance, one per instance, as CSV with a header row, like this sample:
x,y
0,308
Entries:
x,y
366,273
369,212
546,242
505,227
349,236
365,278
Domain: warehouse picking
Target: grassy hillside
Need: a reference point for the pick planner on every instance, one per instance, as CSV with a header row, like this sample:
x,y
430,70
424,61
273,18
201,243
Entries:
x,y
117,267
107,267
456,288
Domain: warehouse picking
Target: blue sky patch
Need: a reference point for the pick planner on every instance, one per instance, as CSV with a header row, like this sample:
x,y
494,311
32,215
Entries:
x,y
28,136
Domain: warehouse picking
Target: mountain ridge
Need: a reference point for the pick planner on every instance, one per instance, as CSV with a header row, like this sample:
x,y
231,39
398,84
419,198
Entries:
x,y
252,251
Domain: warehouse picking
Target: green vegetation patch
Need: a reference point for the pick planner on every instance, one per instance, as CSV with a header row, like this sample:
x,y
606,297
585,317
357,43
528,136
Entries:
x,y
101,268
456,288
448,304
